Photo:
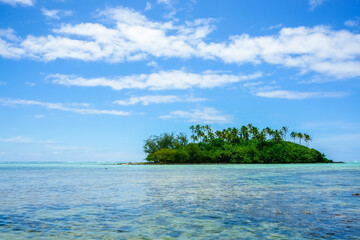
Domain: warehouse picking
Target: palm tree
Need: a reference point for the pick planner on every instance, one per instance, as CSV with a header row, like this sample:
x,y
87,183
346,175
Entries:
x,y
233,135
284,131
307,139
261,136
293,135
199,132
219,134
226,134
209,135
244,133
300,136
277,136
193,135
255,132
249,127
269,131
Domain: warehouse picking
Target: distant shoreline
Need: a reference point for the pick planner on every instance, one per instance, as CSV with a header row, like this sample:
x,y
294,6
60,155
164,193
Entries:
x,y
151,163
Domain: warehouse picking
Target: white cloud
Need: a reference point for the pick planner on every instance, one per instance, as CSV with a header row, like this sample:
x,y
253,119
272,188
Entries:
x,y
133,37
19,2
299,95
148,6
337,125
146,100
56,13
63,107
152,64
31,84
275,26
10,49
20,139
175,79
169,4
166,2
318,49
3,83
50,13
205,115
9,34
353,23
315,3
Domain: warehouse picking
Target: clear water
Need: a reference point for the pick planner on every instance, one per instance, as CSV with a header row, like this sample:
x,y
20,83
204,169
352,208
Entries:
x,y
73,201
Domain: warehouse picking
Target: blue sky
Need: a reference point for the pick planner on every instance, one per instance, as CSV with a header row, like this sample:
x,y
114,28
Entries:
x,y
90,80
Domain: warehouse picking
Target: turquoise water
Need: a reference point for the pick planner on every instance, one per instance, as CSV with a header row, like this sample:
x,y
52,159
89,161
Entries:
x,y
88,201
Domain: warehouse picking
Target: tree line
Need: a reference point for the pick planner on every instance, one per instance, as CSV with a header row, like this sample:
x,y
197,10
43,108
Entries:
x,y
247,144
205,134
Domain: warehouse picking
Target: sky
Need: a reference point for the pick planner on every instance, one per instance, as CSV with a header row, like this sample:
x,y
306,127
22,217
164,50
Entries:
x,y
89,81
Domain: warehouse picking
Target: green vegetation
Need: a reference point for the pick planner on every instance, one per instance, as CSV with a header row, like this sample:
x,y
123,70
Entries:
x,y
245,145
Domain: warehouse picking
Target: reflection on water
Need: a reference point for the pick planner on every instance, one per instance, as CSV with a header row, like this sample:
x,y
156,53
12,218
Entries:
x,y
69,201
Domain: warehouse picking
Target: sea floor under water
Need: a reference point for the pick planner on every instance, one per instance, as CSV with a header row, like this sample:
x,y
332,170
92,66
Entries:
x,y
93,201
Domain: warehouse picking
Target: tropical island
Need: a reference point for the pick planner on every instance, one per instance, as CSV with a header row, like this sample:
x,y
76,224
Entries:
x,y
244,145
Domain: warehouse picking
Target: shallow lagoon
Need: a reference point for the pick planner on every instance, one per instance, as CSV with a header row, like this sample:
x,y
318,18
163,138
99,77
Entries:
x,y
91,201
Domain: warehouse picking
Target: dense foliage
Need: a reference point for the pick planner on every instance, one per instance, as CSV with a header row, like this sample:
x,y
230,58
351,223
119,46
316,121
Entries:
x,y
245,145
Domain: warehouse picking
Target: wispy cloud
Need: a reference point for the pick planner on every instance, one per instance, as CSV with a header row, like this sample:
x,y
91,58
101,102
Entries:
x,y
315,3
31,84
19,2
156,99
294,95
175,79
63,107
169,4
9,34
51,145
353,23
316,49
274,26
148,6
342,125
152,64
21,139
205,115
56,13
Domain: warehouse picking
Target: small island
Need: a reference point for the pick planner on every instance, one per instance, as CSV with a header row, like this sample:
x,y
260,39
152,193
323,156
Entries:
x,y
245,145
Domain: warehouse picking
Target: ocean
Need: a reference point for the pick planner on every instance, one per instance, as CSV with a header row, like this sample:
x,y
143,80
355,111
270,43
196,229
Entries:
x,y
95,201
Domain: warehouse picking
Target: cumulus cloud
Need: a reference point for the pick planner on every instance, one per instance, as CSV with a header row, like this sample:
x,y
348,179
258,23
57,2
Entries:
x,y
133,37
156,99
74,107
205,115
19,2
295,95
315,3
318,49
175,79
